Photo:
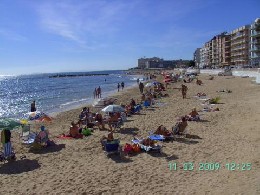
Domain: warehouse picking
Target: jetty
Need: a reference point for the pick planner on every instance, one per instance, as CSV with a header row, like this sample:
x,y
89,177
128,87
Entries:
x,y
75,75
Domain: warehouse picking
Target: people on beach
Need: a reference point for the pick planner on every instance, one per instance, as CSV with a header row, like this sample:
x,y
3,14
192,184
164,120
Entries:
x,y
137,81
42,137
6,141
99,92
74,131
99,121
199,82
83,117
33,106
184,90
113,117
108,138
161,130
180,127
118,87
95,93
193,115
122,85
141,87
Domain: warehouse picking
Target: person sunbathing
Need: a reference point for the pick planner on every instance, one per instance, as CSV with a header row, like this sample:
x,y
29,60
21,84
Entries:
x,y
113,117
142,98
74,131
148,142
107,138
161,130
99,121
180,126
193,116
199,82
42,137
208,109
201,94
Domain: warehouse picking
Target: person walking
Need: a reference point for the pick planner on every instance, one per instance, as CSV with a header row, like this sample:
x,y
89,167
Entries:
x,y
122,85
141,87
33,106
118,87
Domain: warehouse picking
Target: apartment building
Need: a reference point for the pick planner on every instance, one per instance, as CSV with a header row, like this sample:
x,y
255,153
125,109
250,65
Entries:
x,y
255,43
226,50
196,57
240,46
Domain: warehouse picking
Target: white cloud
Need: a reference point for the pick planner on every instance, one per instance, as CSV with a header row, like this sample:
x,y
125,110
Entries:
x,y
81,21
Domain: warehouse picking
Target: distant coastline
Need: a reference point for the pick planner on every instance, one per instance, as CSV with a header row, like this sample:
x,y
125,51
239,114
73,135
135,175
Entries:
x,y
76,75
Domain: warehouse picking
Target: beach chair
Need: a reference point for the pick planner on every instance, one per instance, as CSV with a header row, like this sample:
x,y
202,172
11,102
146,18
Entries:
x,y
112,147
176,133
117,125
27,137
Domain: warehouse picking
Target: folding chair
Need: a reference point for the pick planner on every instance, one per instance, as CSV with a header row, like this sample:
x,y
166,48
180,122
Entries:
x,y
26,135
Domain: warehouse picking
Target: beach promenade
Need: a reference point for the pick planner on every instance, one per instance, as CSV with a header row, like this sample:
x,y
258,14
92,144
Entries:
x,y
228,136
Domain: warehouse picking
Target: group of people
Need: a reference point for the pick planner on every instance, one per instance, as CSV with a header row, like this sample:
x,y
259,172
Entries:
x,y
122,85
97,92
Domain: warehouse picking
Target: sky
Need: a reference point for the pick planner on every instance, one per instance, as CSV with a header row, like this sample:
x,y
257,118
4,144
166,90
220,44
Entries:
x,y
47,36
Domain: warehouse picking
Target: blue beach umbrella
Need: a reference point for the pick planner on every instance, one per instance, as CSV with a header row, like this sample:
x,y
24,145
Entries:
x,y
9,124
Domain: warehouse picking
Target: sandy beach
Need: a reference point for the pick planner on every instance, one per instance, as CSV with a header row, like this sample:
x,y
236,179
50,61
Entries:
x,y
230,135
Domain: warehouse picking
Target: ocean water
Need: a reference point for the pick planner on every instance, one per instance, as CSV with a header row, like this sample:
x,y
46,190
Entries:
x,y
53,95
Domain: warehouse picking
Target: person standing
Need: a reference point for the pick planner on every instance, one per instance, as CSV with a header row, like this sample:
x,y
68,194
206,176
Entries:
x,y
141,87
118,87
122,85
184,90
137,81
99,91
33,106
6,141
95,93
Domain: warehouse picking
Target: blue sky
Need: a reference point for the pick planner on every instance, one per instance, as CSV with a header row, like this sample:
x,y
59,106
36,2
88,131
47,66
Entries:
x,y
85,35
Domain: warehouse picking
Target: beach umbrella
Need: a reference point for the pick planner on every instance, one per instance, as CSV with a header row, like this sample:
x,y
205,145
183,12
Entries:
x,y
148,85
113,108
9,124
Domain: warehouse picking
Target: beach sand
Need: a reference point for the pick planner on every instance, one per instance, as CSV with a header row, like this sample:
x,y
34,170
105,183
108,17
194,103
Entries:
x,y
81,167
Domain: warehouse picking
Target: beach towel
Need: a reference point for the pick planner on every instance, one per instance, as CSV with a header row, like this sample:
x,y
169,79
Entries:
x,y
86,132
65,137
157,137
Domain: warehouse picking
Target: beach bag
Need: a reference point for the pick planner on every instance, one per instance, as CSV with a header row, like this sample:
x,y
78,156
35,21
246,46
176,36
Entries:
x,y
86,132
136,148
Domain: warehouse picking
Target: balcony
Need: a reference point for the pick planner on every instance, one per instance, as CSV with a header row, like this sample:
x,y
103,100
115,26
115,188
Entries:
x,y
255,34
255,48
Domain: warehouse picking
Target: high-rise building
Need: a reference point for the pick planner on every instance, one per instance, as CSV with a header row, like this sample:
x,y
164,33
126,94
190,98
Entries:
x,y
240,46
196,57
255,43
226,50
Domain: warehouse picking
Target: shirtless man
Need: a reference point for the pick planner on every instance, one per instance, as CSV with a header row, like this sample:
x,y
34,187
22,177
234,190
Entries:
x,y
184,90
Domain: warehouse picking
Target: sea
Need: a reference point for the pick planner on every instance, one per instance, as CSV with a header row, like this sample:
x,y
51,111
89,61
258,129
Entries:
x,y
54,95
